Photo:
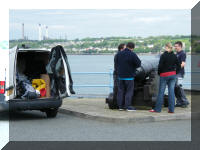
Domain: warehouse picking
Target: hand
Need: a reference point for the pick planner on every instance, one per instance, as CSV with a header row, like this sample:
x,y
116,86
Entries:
x,y
182,64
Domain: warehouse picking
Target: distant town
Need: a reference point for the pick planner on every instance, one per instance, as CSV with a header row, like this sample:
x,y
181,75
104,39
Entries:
x,y
106,45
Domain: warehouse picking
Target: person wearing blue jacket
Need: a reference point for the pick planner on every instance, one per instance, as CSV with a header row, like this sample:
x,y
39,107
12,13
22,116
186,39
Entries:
x,y
126,62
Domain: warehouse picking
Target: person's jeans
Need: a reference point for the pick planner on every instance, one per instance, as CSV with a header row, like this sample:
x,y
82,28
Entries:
x,y
179,91
170,81
125,89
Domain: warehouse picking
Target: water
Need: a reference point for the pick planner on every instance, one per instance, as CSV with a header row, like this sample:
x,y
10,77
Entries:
x,y
103,63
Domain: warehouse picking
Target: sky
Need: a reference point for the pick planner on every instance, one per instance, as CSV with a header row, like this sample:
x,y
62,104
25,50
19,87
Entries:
x,y
72,23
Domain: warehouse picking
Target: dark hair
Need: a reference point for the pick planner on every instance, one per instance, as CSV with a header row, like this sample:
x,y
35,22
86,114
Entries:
x,y
121,46
130,45
179,43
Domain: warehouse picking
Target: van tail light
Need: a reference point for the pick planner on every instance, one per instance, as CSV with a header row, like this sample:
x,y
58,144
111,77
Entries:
x,y
2,87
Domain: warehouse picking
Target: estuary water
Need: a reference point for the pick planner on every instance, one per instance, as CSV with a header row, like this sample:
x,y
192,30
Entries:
x,y
104,63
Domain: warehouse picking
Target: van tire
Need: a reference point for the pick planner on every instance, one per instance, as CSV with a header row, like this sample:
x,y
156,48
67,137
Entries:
x,y
51,113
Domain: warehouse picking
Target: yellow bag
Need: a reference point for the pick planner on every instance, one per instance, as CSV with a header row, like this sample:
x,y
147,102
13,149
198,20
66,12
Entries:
x,y
38,84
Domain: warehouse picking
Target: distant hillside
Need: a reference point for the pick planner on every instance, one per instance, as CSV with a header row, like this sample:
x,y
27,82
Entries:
x,y
152,44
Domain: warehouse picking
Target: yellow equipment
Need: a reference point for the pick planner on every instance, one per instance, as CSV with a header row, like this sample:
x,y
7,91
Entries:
x,y
38,84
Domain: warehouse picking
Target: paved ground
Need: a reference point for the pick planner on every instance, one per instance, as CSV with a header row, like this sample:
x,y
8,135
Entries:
x,y
4,133
96,108
33,126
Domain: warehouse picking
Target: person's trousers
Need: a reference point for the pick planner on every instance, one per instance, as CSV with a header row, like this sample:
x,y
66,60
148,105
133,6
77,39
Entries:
x,y
179,91
164,81
115,88
125,93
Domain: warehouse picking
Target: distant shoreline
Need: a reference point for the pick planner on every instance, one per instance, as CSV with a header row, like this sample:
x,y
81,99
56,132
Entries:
x,y
142,54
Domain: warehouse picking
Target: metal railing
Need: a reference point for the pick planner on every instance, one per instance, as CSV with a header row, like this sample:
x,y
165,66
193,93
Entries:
x,y
110,73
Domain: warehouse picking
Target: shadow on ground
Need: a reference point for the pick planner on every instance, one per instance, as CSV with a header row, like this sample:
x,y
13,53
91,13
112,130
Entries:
x,y
22,115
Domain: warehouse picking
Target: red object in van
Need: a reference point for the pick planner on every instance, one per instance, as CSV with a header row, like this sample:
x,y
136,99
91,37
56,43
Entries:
x,y
2,87
43,92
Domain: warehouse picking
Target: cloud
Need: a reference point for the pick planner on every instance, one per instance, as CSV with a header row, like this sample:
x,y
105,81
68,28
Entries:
x,y
152,19
86,13
29,26
57,26
83,23
15,25
61,27
54,13
117,15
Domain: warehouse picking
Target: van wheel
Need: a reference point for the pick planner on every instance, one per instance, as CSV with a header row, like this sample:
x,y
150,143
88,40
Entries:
x,y
51,113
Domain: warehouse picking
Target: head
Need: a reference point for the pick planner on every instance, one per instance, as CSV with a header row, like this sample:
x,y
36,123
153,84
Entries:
x,y
121,47
130,45
178,46
168,47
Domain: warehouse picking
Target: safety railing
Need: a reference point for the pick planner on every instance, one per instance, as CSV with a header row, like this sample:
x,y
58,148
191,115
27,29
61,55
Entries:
x,y
110,74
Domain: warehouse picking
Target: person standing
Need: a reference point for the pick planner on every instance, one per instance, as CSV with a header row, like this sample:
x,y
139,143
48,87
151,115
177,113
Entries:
x,y
181,100
126,63
121,47
168,67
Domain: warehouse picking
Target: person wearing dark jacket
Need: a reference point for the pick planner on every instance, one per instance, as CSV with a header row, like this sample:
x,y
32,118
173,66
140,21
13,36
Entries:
x,y
126,63
121,47
181,100
168,67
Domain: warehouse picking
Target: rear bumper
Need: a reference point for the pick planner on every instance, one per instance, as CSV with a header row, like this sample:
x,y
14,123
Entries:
x,y
35,104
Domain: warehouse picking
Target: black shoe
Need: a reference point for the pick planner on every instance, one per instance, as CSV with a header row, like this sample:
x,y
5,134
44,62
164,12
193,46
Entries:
x,y
178,105
131,108
187,103
181,105
122,108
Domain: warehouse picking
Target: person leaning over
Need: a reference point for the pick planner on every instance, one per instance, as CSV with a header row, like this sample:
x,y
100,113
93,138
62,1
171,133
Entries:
x,y
126,63
168,67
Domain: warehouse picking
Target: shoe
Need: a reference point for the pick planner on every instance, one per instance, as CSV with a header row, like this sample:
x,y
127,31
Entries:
x,y
178,105
152,110
170,112
184,106
121,108
181,105
131,109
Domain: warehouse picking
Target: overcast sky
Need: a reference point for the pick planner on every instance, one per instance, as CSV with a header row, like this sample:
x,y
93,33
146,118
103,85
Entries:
x,y
100,23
